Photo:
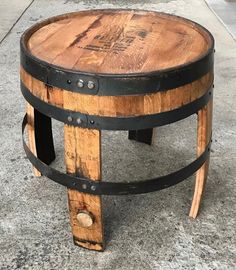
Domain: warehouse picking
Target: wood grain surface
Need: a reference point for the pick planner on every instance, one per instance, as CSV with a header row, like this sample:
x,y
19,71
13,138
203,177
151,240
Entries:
x,y
119,105
203,137
83,157
119,41
31,134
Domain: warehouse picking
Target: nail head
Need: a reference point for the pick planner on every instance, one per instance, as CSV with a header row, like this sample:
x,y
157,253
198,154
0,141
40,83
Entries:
x,y
79,121
91,84
80,83
69,118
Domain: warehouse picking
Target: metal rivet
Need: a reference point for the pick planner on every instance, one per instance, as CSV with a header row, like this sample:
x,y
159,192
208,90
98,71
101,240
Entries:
x,y
91,84
84,186
93,188
85,219
80,83
91,122
69,81
79,121
69,118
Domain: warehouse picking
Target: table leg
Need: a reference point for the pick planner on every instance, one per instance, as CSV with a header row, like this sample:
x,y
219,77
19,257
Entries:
x,y
40,136
83,157
143,135
203,138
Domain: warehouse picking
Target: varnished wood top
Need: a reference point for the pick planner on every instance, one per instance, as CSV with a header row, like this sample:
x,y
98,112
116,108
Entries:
x,y
118,41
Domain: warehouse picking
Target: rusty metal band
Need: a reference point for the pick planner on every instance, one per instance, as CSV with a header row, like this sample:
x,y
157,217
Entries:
x,y
111,188
115,123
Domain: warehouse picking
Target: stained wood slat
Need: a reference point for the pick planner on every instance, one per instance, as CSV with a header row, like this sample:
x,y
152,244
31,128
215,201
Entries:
x,y
31,133
83,157
203,138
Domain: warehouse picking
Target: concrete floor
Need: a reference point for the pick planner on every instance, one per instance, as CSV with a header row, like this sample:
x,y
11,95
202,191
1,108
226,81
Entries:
x,y
225,10
9,15
149,231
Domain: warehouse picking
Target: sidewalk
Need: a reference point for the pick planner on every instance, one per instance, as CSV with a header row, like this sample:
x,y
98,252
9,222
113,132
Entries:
x,y
10,14
225,10
145,232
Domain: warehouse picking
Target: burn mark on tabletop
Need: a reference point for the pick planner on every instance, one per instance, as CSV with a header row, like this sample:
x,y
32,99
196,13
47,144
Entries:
x,y
109,41
142,34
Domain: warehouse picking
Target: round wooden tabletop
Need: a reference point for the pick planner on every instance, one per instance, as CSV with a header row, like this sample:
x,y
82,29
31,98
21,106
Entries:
x,y
118,41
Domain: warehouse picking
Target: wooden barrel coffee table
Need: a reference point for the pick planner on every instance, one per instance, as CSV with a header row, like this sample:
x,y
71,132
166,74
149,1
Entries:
x,y
113,70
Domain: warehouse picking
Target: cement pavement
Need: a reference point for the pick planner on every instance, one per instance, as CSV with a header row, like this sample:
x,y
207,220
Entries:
x,y
143,232
10,12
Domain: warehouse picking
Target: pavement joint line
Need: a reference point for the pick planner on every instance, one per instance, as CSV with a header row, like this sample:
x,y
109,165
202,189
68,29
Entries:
x,y
9,31
220,20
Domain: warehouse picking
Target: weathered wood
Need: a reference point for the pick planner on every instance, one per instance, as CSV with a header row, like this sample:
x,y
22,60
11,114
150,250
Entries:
x,y
203,138
31,133
136,41
82,156
120,105
40,136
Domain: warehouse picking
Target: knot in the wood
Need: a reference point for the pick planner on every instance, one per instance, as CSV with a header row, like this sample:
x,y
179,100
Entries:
x,y
85,219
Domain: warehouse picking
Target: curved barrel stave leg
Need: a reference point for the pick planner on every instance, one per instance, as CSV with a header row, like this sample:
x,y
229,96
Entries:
x,y
203,137
40,136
